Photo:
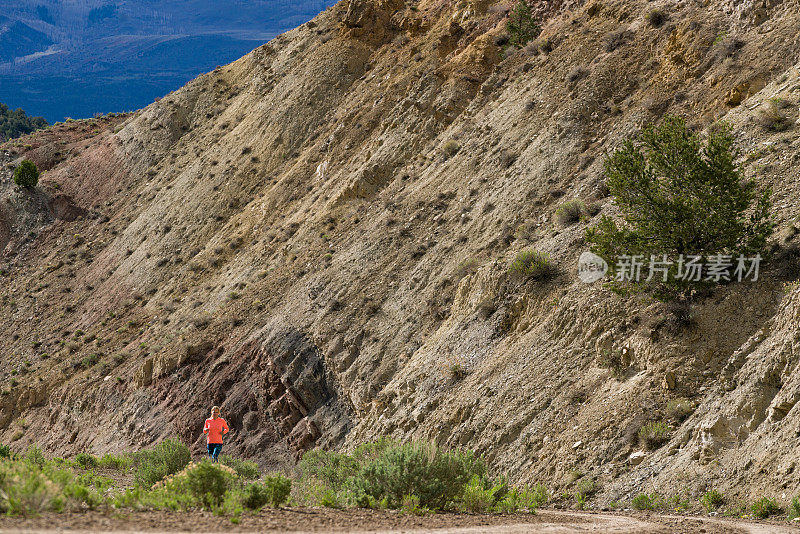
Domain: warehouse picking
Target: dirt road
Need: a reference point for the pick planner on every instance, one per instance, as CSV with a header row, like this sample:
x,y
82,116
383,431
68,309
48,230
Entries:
x,y
307,520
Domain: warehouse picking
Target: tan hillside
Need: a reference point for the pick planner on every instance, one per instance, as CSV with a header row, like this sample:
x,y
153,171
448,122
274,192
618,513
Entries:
x,y
316,237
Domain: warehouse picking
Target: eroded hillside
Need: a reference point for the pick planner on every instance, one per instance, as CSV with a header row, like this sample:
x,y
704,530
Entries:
x,y
316,236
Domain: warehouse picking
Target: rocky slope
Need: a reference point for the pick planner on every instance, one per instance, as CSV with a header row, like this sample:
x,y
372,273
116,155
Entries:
x,y
316,237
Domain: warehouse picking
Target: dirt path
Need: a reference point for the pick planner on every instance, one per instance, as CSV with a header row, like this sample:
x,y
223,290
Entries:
x,y
310,520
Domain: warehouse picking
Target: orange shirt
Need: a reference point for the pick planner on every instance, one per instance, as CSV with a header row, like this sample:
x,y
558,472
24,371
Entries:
x,y
215,428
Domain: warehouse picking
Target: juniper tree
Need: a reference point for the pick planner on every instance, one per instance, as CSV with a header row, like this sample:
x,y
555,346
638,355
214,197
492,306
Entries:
x,y
521,26
680,194
26,175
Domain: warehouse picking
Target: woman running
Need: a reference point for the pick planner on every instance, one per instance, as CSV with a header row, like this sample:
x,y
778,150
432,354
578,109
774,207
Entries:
x,y
214,428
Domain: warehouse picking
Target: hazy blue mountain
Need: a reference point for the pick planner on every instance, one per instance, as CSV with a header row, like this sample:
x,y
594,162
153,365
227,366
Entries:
x,y
18,39
76,58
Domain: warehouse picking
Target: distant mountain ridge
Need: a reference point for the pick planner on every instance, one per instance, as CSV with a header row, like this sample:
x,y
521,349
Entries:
x,y
75,59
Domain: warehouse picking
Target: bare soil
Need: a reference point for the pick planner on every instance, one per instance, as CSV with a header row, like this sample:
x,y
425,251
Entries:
x,y
358,520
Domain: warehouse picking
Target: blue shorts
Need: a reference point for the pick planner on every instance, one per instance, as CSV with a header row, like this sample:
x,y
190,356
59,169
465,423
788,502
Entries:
x,y
213,450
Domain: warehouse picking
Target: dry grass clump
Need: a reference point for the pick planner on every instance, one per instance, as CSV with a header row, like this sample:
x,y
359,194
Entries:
x,y
615,39
679,409
570,212
654,434
656,18
532,265
450,148
773,116
577,74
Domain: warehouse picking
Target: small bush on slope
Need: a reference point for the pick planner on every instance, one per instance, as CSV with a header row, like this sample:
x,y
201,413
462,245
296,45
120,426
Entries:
x,y
794,509
654,434
643,501
570,212
765,507
532,265
711,500
26,175
87,461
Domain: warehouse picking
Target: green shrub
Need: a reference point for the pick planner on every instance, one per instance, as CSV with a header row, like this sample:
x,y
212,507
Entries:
x,y
457,371
521,26
26,174
643,501
5,451
26,490
532,265
256,496
166,458
331,468
481,495
330,499
615,361
765,507
540,494
794,509
711,500
90,361
387,474
739,509
207,483
80,496
232,505
32,485
87,461
525,498
680,195
111,461
243,468
437,477
654,434
570,212
274,490
586,486
678,504
34,456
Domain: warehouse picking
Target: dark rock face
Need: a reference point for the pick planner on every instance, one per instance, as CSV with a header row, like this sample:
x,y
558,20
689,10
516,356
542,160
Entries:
x,y
272,391
63,208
